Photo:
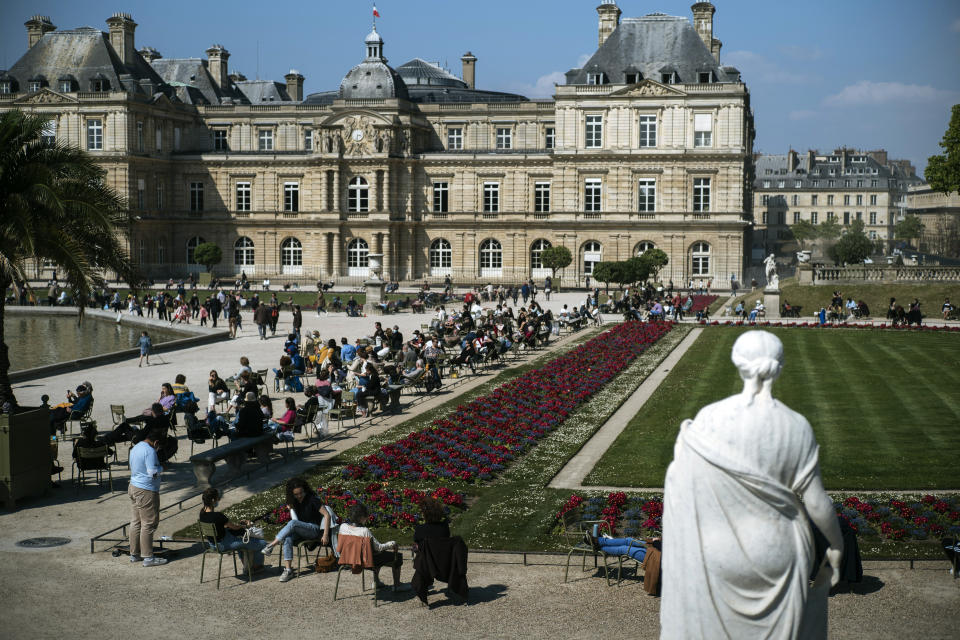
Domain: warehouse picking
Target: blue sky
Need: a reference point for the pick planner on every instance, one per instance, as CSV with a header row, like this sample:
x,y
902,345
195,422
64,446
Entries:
x,y
822,73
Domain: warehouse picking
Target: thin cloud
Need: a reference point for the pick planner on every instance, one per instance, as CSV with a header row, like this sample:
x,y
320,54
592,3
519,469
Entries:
x,y
867,93
760,69
543,87
798,52
802,114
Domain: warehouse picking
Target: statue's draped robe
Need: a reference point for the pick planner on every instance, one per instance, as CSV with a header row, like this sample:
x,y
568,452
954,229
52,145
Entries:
x,y
738,548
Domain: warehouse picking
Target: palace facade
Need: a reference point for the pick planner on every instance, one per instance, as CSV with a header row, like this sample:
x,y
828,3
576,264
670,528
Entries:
x,y
648,145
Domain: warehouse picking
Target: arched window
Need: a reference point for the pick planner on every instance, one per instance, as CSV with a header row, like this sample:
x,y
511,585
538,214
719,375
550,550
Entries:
x,y
243,254
700,259
643,247
192,245
358,195
537,270
491,258
291,256
592,254
358,261
441,258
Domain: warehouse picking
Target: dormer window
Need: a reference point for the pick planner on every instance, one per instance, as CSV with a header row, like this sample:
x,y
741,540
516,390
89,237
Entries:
x,y
669,78
33,86
99,85
6,86
597,78
705,77
66,86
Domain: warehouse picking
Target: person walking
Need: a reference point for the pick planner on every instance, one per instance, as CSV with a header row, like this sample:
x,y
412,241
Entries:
x,y
297,320
144,492
145,345
262,318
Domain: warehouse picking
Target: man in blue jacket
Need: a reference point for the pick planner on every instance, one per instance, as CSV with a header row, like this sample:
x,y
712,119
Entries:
x,y
144,492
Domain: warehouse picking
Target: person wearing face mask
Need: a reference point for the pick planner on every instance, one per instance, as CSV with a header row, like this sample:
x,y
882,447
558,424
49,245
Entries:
x,y
230,534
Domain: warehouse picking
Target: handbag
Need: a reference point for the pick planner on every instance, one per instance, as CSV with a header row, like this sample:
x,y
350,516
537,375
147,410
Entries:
x,y
252,532
325,564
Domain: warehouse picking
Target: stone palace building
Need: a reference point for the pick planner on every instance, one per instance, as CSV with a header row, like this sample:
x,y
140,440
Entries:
x,y
648,145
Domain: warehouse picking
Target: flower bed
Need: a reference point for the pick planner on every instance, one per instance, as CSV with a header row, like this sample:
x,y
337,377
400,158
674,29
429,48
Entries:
x,y
893,519
838,325
700,303
392,507
478,440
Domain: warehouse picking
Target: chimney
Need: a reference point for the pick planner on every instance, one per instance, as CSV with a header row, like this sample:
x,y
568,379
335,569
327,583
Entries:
x,y
844,156
609,14
792,161
122,27
217,57
36,27
811,158
703,23
469,69
294,85
149,54
880,155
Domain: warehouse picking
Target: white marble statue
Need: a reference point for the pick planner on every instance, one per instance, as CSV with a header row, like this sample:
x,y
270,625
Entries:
x,y
743,485
773,280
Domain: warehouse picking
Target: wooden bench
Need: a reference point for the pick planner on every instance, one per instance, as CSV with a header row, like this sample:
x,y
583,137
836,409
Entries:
x,y
234,453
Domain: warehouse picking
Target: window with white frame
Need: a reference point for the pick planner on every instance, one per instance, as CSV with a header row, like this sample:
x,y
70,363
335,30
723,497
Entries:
x,y
700,259
859,200
243,252
763,218
702,130
846,200
48,136
441,258
66,86
594,132
873,217
541,197
441,197
358,195
455,138
873,235
764,200
196,196
830,199
592,254
220,140
491,197
140,137
796,217
192,245
647,191
648,131
781,184
291,256
537,270
504,138
308,139
94,134
813,200
593,195
159,182
643,247
597,78
491,258
6,87
265,140
291,196
358,257
795,200
701,194
873,201
33,86
814,217
550,138
141,193
860,215
243,196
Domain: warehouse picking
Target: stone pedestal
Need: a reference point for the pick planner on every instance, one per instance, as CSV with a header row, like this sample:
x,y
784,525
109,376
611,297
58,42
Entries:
x,y
771,302
376,293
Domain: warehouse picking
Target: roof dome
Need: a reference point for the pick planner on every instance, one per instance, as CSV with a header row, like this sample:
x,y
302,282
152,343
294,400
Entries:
x,y
373,78
374,38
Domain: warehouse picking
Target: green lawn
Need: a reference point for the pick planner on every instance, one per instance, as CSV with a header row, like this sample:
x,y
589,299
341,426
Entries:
x,y
885,407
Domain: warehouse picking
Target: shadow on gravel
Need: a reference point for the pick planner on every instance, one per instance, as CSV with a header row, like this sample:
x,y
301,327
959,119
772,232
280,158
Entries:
x,y
870,584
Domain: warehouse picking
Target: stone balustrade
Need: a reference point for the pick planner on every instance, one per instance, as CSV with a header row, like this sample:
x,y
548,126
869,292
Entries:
x,y
879,274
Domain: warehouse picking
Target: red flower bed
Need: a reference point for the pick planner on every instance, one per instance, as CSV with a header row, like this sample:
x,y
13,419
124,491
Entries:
x,y
700,303
480,439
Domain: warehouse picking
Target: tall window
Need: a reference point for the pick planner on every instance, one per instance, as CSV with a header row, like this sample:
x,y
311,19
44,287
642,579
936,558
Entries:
x,y
358,257
701,194
176,138
859,200
94,134
441,258
291,256
873,201
592,195
220,140
141,193
873,217
265,140
846,218
491,258
647,190
491,197
141,251
813,200
814,217
243,196
161,251
291,196
455,138
159,182
830,199
308,139
795,200
643,247
48,135
541,197
846,200
243,252
66,86
592,254
796,217
504,138
594,132
700,259
550,138
196,196
140,137
192,245
702,130
648,131
358,195
441,194
158,138
536,261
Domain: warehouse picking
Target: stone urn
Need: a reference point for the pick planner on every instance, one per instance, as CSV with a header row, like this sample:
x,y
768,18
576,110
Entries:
x,y
376,265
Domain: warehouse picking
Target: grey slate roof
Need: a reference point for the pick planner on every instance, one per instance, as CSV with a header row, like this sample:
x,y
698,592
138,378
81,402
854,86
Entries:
x,y
86,54
421,72
257,91
774,168
651,44
373,78
432,95
192,82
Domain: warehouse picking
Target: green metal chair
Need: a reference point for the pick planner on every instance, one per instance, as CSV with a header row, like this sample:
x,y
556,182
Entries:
x,y
208,531
574,534
363,583
95,460
347,408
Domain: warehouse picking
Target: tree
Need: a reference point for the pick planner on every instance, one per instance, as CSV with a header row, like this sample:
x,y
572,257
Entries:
x,y
556,258
804,231
943,171
854,247
636,270
208,254
54,205
908,228
604,272
829,230
655,260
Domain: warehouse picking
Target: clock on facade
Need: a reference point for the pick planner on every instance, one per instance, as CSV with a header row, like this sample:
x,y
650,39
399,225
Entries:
x,y
357,135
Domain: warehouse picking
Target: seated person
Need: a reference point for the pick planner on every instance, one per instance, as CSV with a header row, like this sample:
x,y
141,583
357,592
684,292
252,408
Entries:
x,y
414,373
230,534
383,553
283,426
180,384
310,519
946,309
88,439
369,388
245,386
435,523
217,389
215,422
249,421
76,405
636,549
168,400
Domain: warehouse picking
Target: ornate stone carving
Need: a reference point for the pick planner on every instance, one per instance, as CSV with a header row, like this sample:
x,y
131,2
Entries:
x,y
44,96
649,88
359,135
